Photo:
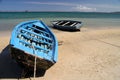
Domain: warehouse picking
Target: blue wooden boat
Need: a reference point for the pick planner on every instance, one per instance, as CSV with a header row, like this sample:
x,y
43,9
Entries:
x,y
30,39
68,25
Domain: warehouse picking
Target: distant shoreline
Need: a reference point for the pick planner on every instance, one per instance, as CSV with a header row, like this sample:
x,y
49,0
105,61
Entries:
x,y
58,11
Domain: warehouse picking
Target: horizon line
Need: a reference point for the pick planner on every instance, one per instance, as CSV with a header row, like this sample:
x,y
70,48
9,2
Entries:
x,y
62,11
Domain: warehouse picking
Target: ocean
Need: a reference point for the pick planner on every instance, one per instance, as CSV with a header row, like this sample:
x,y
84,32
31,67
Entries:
x,y
8,20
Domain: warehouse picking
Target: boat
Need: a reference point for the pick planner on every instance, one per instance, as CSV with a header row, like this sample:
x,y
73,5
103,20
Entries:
x,y
68,25
32,39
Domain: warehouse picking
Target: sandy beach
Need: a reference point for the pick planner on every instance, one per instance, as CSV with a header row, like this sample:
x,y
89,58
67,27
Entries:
x,y
91,54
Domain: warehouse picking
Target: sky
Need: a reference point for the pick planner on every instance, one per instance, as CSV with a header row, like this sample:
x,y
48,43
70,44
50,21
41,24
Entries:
x,y
61,5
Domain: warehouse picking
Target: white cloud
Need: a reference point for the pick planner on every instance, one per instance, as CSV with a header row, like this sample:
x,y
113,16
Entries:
x,y
51,3
104,6
84,8
72,6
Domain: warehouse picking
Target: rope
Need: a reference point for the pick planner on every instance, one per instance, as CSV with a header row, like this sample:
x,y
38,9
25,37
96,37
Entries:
x,y
34,62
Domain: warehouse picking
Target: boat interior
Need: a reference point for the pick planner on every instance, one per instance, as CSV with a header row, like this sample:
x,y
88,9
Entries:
x,y
67,23
35,37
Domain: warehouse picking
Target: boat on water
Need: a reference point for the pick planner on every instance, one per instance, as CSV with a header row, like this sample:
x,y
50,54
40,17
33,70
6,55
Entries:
x,y
34,39
69,25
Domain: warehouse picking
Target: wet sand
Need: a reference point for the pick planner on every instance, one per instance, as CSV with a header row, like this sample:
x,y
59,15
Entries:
x,y
91,54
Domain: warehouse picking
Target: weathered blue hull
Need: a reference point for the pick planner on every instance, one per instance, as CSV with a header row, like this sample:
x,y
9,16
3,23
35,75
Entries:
x,y
34,38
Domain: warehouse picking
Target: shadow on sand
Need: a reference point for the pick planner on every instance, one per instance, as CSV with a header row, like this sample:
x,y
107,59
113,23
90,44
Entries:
x,y
62,29
10,69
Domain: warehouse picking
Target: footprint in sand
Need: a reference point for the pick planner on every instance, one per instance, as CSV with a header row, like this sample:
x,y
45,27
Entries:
x,y
60,43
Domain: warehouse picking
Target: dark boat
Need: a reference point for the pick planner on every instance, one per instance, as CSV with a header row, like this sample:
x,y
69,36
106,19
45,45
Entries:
x,y
67,24
34,39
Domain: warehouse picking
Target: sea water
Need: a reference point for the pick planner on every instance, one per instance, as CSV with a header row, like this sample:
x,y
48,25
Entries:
x,y
8,20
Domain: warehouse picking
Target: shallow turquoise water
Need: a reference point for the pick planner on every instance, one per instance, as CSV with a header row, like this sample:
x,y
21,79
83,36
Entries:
x,y
8,20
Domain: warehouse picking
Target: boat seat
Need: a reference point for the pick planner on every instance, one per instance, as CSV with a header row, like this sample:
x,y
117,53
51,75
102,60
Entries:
x,y
65,23
73,24
59,22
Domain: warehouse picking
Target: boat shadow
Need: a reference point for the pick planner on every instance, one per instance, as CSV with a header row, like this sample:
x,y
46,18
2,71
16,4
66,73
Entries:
x,y
66,30
10,69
